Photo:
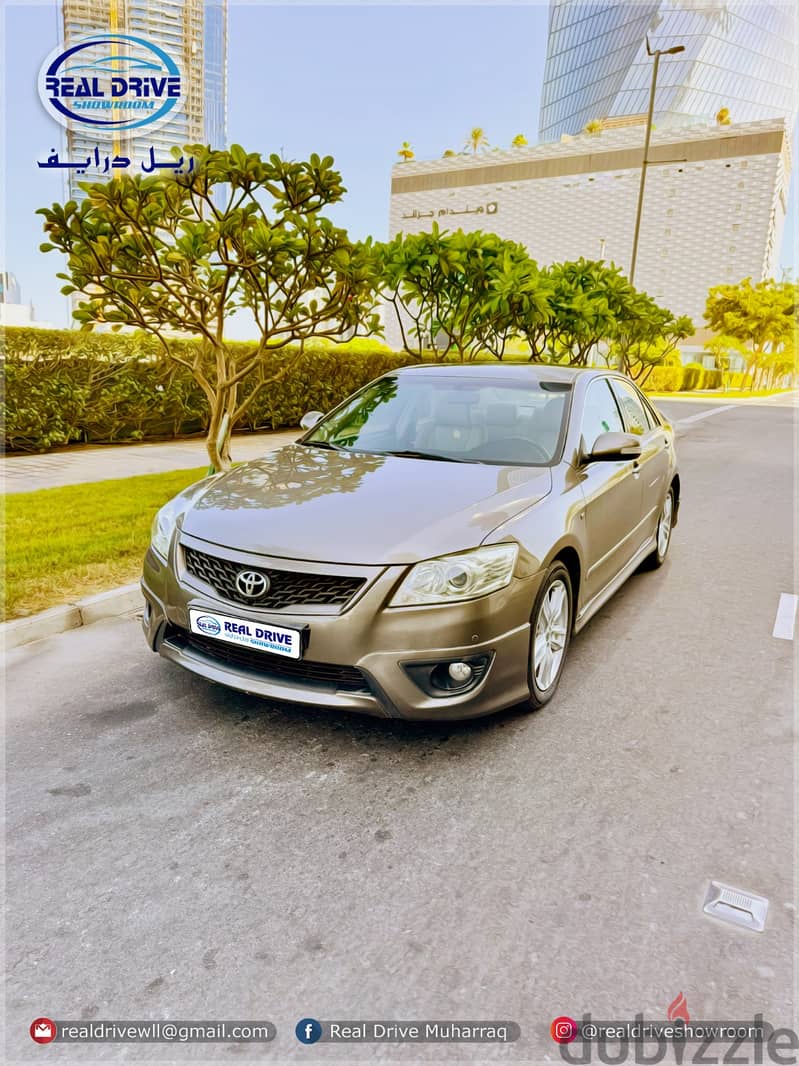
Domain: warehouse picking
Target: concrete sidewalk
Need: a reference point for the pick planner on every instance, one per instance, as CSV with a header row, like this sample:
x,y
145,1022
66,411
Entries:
x,y
75,466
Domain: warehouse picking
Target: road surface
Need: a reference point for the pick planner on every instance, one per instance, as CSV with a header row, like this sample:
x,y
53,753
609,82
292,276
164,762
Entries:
x,y
178,851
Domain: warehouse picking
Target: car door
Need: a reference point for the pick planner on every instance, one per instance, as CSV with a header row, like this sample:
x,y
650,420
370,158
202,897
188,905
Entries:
x,y
654,462
611,490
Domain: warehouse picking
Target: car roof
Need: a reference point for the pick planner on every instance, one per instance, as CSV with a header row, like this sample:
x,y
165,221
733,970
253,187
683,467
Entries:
x,y
521,372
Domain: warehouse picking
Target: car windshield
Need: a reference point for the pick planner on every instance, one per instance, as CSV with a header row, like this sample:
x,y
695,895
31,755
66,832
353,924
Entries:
x,y
474,420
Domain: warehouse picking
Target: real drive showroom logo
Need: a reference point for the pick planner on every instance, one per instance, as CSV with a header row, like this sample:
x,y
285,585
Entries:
x,y
110,81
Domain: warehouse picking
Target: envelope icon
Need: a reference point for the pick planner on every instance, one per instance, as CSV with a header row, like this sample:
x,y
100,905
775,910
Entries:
x,y
43,1029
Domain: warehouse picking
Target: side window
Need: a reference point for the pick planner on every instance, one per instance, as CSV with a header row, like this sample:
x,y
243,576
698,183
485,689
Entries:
x,y
635,416
654,419
600,413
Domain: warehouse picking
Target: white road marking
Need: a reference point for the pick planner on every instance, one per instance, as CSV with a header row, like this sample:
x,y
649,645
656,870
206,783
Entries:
x,y
705,414
786,616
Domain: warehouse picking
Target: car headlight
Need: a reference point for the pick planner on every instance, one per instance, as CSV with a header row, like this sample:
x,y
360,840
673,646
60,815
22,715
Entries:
x,y
164,525
458,577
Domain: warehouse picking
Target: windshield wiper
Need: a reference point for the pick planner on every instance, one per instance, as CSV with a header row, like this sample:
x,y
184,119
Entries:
x,y
322,444
424,455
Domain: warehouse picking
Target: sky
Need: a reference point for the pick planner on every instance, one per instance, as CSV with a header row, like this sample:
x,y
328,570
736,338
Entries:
x,y
350,81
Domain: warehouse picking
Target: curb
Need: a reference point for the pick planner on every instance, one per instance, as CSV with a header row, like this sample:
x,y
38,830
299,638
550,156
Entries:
x,y
71,615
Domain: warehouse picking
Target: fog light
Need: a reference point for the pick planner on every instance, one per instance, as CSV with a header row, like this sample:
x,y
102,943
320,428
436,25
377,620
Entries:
x,y
449,678
460,672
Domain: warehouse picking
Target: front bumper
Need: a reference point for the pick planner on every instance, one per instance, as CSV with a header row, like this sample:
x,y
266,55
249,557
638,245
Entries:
x,y
353,660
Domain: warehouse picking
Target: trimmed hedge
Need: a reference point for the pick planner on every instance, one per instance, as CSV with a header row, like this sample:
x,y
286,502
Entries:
x,y
64,387
712,379
682,378
664,379
693,376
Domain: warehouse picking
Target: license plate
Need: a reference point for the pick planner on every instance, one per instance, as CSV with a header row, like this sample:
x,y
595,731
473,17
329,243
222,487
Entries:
x,y
263,636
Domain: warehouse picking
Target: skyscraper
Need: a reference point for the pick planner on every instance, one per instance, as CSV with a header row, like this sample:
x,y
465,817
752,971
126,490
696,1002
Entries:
x,y
194,34
738,55
9,288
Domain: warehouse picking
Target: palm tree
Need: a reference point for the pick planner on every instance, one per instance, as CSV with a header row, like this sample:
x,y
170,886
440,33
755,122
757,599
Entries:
x,y
477,140
406,151
596,125
519,141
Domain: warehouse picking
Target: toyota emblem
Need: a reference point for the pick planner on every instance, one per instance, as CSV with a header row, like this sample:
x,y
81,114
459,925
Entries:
x,y
251,584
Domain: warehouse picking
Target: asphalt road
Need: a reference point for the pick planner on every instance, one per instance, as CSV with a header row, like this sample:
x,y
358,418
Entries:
x,y
177,851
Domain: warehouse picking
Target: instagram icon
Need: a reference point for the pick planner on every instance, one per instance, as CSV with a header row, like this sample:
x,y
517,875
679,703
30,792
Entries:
x,y
563,1029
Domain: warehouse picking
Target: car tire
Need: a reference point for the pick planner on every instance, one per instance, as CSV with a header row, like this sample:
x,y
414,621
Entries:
x,y
550,634
663,533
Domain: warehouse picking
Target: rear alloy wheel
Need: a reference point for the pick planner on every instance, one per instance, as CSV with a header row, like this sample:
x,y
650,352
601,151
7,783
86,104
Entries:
x,y
663,535
551,631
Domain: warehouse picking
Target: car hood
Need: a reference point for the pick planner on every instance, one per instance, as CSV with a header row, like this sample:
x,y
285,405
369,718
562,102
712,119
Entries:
x,y
304,502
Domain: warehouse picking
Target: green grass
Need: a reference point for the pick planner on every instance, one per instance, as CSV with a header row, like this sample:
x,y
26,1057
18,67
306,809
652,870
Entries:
x,y
65,543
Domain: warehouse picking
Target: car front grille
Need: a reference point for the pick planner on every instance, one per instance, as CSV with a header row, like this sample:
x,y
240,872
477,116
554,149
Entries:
x,y
328,676
287,588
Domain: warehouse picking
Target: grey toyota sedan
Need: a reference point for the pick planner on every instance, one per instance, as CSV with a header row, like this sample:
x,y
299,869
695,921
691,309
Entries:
x,y
425,550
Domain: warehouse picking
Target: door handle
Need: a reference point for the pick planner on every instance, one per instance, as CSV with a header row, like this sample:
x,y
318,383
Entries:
x,y
636,468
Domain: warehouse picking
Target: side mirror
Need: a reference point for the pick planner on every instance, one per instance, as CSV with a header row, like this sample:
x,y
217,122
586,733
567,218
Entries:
x,y
310,418
610,446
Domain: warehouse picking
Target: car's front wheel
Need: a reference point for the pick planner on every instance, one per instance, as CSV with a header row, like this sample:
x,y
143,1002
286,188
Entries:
x,y
551,626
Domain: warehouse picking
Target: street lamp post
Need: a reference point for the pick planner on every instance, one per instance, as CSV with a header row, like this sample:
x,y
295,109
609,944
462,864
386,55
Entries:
x,y
657,53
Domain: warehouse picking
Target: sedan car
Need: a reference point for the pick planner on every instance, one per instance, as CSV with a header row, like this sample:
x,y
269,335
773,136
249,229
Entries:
x,y
426,550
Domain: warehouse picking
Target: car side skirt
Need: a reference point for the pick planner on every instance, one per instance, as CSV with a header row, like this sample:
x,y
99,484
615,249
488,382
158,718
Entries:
x,y
589,609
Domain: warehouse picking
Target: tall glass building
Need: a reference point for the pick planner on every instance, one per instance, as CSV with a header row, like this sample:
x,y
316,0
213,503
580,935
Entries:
x,y
194,34
738,55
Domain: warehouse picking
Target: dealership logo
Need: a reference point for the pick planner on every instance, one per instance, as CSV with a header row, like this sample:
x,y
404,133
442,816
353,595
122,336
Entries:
x,y
110,81
208,624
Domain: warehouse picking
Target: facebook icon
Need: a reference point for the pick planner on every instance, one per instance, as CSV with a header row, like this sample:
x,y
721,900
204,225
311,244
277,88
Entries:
x,y
308,1030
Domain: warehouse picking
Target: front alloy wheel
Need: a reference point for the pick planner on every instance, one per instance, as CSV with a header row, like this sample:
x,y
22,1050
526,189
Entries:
x,y
551,625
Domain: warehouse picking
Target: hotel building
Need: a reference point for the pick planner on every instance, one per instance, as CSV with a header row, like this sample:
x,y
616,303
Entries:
x,y
716,199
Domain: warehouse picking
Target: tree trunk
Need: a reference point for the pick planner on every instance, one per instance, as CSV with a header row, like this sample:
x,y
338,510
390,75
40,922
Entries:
x,y
217,441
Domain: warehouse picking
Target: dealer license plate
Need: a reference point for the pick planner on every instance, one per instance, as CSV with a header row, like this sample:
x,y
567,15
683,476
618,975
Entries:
x,y
263,636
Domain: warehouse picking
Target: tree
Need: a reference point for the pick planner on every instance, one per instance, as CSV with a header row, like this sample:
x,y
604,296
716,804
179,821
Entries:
x,y
762,317
722,348
519,306
183,254
723,117
519,141
440,285
589,301
477,140
596,125
406,152
645,336
448,154
783,361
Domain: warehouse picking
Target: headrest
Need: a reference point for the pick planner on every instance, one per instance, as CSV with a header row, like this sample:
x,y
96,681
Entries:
x,y
500,414
452,412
